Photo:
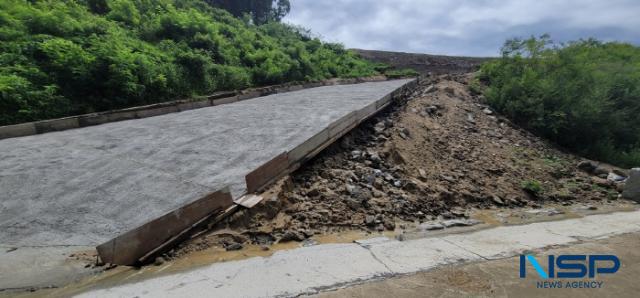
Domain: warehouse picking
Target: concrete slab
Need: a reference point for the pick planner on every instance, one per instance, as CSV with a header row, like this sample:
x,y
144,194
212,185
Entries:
x,y
85,186
419,255
283,274
500,278
31,267
505,241
82,187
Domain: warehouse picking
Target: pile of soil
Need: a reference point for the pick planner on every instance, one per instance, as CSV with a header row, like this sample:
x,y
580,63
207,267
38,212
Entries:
x,y
436,155
424,63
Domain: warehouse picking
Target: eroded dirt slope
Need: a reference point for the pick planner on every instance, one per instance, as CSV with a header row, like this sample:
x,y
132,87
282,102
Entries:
x,y
438,155
424,63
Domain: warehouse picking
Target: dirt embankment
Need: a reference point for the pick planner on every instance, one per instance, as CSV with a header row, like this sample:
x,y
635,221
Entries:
x,y
424,63
438,155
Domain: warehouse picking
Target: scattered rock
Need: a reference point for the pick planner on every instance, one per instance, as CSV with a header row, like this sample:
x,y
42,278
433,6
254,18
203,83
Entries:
x,y
234,246
379,127
487,111
292,236
470,118
615,177
459,223
431,110
370,220
429,226
159,261
448,178
309,242
601,182
352,190
389,225
549,211
449,90
601,171
429,89
497,200
632,186
587,166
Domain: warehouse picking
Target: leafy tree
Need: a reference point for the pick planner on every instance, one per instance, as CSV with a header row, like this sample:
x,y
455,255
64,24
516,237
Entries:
x,y
261,11
583,95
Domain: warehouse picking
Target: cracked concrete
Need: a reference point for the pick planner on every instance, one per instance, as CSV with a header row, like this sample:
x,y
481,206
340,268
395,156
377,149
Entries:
x,y
500,278
310,270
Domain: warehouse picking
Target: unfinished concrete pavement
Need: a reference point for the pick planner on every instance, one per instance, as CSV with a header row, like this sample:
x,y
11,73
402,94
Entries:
x,y
314,269
500,278
84,186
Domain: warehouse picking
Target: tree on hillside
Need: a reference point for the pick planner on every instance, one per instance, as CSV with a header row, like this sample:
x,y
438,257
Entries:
x,y
261,11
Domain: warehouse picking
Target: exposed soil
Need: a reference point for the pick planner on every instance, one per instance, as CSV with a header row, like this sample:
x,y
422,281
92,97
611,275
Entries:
x,y
438,155
424,63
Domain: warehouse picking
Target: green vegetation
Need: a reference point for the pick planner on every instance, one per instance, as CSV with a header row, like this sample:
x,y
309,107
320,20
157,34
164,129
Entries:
x,y
59,58
584,95
260,11
401,73
533,187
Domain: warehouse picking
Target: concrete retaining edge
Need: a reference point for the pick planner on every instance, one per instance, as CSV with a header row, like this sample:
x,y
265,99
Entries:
x,y
219,98
289,161
128,248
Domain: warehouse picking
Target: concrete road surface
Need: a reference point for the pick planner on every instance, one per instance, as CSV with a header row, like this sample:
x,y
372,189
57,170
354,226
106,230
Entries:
x,y
82,187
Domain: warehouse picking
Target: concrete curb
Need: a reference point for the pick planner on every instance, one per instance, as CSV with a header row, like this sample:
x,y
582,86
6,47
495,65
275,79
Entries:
x,y
310,270
129,247
219,98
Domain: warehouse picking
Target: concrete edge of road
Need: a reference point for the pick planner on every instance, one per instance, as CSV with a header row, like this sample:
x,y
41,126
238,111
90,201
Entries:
x,y
310,270
216,99
152,238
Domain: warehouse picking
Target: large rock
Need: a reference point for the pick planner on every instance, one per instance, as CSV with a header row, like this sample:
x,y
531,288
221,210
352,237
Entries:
x,y
632,186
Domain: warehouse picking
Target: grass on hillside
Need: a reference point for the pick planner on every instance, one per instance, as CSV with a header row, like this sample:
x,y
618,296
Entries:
x,y
59,58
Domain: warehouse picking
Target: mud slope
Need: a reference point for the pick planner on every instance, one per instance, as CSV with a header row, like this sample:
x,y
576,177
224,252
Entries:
x,y
441,154
424,63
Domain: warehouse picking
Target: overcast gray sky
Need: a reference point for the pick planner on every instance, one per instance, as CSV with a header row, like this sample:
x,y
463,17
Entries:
x,y
463,27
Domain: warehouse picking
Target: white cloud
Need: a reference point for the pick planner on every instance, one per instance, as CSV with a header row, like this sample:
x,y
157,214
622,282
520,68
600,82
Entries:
x,y
460,27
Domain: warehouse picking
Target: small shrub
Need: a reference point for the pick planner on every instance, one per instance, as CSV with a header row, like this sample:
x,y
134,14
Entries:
x,y
533,187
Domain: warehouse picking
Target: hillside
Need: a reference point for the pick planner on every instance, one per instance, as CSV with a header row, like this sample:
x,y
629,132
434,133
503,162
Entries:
x,y
423,63
60,58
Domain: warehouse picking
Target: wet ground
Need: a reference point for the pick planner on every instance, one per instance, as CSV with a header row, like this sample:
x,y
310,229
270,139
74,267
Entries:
x,y
199,259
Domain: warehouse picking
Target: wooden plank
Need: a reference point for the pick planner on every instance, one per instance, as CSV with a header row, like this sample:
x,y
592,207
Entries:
x,y
127,248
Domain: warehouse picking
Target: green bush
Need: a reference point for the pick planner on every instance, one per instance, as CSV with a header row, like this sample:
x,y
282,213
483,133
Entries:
x,y
533,187
583,95
59,58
